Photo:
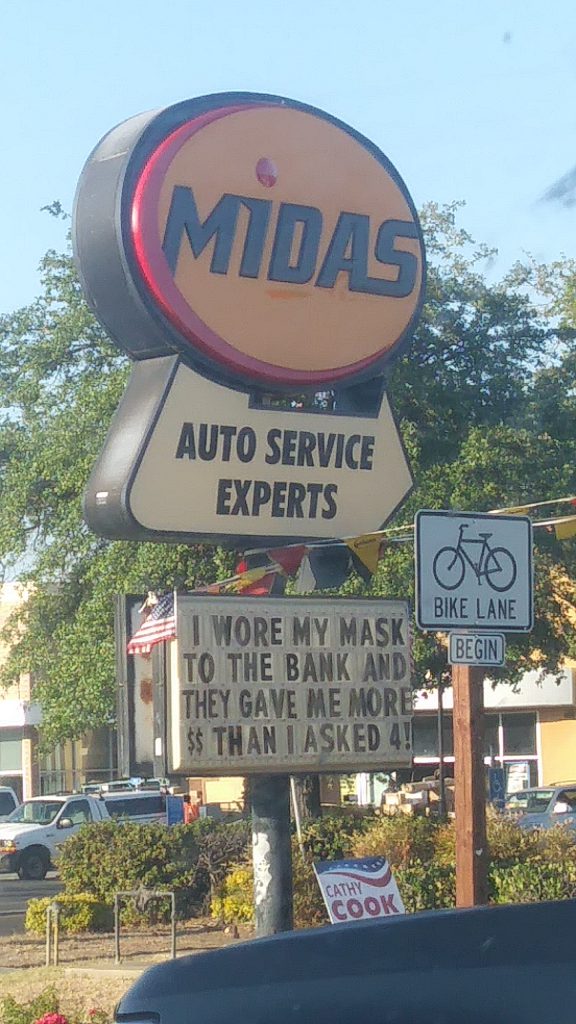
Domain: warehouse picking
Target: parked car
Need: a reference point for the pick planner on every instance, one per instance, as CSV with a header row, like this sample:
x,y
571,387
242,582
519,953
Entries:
x,y
544,806
489,965
31,835
117,786
159,785
91,787
140,806
8,802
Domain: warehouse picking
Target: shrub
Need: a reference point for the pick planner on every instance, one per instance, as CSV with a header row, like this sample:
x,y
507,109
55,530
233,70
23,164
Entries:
x,y
79,913
507,842
44,1009
189,860
429,886
219,847
445,844
532,881
234,902
525,867
558,844
309,907
12,1012
401,839
333,837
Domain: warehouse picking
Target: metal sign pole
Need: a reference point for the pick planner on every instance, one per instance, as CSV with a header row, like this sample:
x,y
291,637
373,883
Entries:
x,y
470,790
271,853
441,772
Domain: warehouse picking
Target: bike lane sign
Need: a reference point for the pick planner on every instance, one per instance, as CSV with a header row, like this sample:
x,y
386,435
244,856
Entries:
x,y
474,571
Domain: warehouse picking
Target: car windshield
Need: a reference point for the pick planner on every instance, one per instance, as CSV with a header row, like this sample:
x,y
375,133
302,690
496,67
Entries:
x,y
36,812
531,801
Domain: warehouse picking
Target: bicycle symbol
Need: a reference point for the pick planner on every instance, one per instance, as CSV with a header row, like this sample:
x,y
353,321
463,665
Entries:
x,y
496,565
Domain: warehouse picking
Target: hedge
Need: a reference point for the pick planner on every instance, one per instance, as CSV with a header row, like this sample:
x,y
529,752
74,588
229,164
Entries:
x,y
80,913
190,860
207,865
525,866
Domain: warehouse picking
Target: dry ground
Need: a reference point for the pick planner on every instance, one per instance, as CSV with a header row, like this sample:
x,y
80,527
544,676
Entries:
x,y
144,947
94,954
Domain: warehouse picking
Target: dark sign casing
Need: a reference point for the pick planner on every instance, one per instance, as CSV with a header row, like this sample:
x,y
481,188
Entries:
x,y
265,241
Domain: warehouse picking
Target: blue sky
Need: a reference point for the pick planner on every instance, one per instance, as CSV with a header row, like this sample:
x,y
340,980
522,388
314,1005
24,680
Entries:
x,y
470,99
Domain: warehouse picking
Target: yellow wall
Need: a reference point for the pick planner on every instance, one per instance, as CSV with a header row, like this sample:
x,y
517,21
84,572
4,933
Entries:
x,y
12,595
224,791
558,746
230,790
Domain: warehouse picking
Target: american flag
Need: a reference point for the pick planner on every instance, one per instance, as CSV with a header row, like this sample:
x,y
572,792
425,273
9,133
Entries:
x,y
159,625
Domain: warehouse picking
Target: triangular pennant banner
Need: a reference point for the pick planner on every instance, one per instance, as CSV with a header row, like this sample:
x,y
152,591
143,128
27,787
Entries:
x,y
289,558
252,576
330,565
366,550
261,587
565,528
306,580
252,560
225,587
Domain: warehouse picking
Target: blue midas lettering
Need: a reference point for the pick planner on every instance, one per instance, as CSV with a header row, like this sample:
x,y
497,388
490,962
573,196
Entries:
x,y
296,245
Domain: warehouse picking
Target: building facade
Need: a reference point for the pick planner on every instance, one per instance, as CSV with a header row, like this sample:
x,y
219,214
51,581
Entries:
x,y
19,715
529,731
22,766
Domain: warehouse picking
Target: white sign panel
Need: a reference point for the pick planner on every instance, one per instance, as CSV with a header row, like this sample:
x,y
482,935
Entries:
x,y
289,685
473,571
476,649
360,889
230,468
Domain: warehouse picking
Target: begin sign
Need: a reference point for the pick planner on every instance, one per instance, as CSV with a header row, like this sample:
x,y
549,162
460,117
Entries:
x,y
289,685
477,649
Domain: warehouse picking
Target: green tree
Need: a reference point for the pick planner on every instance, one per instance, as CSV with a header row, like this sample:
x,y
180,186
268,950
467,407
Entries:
x,y
486,401
480,395
60,381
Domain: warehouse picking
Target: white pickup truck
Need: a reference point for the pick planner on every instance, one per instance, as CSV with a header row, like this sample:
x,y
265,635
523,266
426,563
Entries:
x,y
30,838
8,802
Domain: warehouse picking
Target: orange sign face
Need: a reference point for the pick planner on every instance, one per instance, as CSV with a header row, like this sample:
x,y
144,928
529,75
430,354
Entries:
x,y
275,245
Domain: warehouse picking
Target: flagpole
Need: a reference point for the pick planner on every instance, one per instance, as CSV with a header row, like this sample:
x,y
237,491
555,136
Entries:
x,y
296,813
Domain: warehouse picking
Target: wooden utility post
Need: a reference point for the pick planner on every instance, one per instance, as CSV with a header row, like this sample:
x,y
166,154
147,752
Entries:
x,y
470,791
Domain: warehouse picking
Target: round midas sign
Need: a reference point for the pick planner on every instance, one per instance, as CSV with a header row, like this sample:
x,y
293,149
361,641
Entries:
x,y
264,240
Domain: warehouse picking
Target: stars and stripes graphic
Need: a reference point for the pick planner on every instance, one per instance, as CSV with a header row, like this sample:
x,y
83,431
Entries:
x,y
374,871
159,625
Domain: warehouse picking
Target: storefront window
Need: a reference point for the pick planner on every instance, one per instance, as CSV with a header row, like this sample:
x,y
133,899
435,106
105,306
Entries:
x,y
508,739
519,733
10,750
425,737
491,737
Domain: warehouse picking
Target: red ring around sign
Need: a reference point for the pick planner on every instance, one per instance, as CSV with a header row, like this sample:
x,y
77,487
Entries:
x,y
160,283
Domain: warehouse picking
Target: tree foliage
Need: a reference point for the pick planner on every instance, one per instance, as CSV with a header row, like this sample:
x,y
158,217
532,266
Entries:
x,y
485,400
487,404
